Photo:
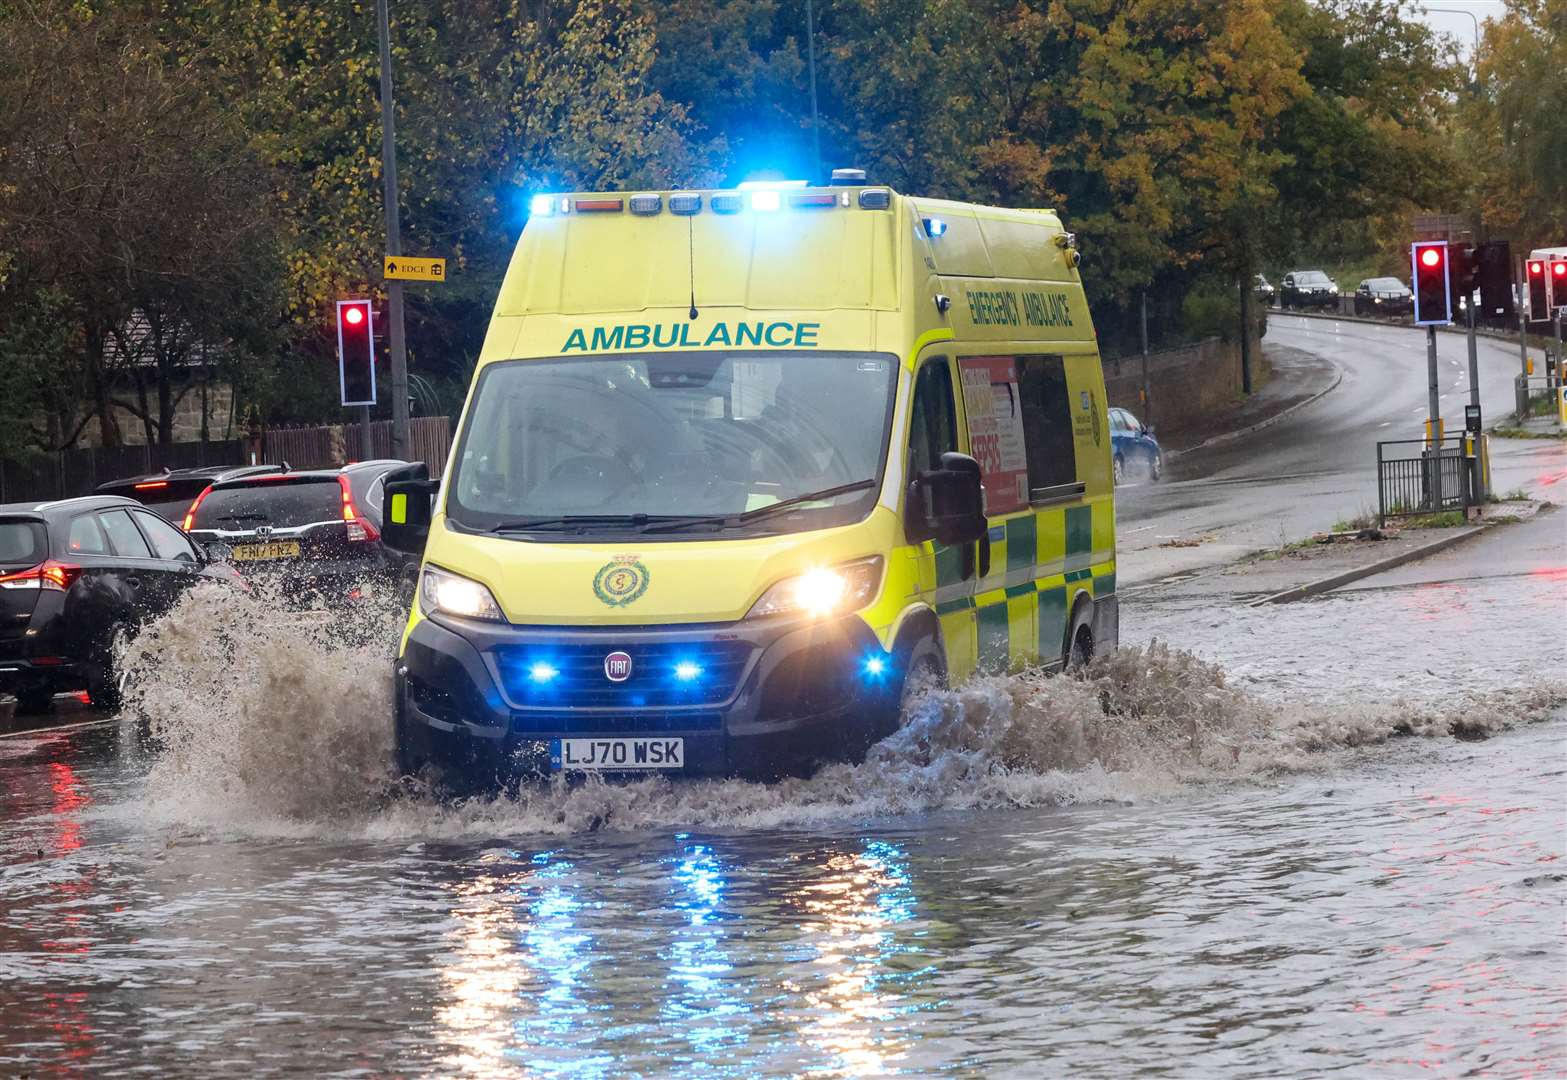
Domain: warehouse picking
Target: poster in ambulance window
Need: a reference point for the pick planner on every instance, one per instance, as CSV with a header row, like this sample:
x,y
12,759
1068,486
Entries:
x,y
995,427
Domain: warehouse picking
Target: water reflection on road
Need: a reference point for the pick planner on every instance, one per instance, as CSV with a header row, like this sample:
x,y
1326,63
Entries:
x,y
1369,907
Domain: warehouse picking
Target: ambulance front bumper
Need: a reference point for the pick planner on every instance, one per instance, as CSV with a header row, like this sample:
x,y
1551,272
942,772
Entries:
x,y
749,698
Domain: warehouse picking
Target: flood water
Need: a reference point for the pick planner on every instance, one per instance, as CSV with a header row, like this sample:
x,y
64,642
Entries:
x,y
1334,845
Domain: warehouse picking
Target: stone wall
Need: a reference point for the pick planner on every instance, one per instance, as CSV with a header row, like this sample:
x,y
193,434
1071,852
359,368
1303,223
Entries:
x,y
1187,384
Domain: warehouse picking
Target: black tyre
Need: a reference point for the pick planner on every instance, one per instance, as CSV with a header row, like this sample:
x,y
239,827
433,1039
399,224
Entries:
x,y
105,682
925,670
1078,648
1117,471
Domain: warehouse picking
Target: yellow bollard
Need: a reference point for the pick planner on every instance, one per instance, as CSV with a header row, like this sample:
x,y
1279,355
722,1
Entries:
x,y
1529,367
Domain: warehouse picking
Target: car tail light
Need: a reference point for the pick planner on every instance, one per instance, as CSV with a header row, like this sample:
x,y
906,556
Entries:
x,y
190,515
51,576
359,529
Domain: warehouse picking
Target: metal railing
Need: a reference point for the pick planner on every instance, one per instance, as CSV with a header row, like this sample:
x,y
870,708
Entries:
x,y
1416,477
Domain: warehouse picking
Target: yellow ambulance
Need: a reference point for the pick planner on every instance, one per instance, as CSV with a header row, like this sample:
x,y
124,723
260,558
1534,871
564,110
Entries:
x,y
739,469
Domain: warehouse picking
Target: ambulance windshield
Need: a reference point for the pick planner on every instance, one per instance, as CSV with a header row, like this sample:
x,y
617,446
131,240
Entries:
x,y
598,441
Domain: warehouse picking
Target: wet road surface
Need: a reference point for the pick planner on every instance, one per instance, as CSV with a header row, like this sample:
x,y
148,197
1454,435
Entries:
x,y
1265,881
1318,465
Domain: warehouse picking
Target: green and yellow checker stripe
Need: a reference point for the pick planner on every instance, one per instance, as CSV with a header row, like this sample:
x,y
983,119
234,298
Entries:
x,y
1039,562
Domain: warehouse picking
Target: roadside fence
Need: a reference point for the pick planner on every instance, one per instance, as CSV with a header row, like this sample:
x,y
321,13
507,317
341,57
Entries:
x,y
63,474
1415,477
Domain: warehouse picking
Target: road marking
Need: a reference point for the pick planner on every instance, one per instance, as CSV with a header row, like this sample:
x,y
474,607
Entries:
x,y
57,729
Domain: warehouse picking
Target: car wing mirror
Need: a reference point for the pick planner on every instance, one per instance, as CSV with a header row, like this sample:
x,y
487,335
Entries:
x,y
216,551
947,504
409,508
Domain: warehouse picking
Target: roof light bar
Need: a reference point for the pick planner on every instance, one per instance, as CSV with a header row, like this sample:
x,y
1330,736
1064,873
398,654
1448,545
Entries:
x,y
806,202
646,204
685,202
875,199
726,204
542,206
765,201
600,206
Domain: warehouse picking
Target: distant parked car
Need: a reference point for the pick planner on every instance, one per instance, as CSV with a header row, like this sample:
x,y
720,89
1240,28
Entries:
x,y
315,533
171,492
1133,446
75,576
1263,290
1306,289
1383,296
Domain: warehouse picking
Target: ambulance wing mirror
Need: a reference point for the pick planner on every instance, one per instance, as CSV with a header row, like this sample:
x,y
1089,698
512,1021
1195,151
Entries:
x,y
948,504
410,500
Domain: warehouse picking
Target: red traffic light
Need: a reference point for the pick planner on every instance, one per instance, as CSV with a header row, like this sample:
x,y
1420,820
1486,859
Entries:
x,y
1431,257
353,316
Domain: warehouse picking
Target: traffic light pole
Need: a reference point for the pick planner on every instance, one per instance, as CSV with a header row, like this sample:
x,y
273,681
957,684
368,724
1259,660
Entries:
x,y
366,447
1434,425
394,245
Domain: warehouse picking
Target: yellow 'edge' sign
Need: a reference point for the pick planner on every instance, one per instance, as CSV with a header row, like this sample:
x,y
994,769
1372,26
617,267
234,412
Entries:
x,y
401,268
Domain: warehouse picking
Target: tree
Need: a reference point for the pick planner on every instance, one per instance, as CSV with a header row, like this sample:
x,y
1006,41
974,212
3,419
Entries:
x,y
127,199
1514,128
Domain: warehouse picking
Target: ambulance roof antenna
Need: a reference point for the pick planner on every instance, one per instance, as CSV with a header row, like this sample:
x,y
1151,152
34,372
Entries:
x,y
691,261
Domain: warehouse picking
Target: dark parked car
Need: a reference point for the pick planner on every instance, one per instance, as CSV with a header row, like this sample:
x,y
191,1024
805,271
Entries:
x,y
315,533
171,492
1383,296
1307,288
1133,446
77,574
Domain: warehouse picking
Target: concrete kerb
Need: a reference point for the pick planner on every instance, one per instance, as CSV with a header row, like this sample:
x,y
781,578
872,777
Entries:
x,y
1338,377
1480,331
1328,584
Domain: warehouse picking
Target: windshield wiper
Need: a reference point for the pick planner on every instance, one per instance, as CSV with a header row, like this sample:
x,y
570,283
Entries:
x,y
573,521
748,516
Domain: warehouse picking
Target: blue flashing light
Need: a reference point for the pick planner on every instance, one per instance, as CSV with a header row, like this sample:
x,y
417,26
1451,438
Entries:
x,y
687,671
876,667
542,206
542,673
770,185
935,227
764,201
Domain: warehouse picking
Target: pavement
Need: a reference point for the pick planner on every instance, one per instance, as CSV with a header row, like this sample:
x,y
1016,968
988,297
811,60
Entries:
x,y
1229,500
1329,561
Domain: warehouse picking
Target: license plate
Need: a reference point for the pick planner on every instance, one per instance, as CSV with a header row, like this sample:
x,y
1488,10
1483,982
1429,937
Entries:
x,y
276,549
614,755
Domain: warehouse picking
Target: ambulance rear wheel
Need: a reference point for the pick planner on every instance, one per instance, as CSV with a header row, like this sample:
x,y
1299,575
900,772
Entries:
x,y
1079,646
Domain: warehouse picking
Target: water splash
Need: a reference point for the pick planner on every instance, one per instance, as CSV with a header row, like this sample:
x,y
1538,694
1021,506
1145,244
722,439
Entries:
x,y
270,723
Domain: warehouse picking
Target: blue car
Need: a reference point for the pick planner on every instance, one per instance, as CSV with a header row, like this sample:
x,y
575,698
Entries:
x,y
1134,447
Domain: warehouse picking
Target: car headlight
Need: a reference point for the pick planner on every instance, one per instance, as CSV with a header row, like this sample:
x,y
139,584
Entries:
x,y
450,594
833,590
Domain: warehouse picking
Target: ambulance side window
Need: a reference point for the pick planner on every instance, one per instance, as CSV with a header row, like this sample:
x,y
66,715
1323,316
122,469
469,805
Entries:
x,y
933,423
1047,422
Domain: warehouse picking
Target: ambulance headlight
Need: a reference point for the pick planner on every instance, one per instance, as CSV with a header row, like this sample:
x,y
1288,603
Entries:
x,y
827,591
440,591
